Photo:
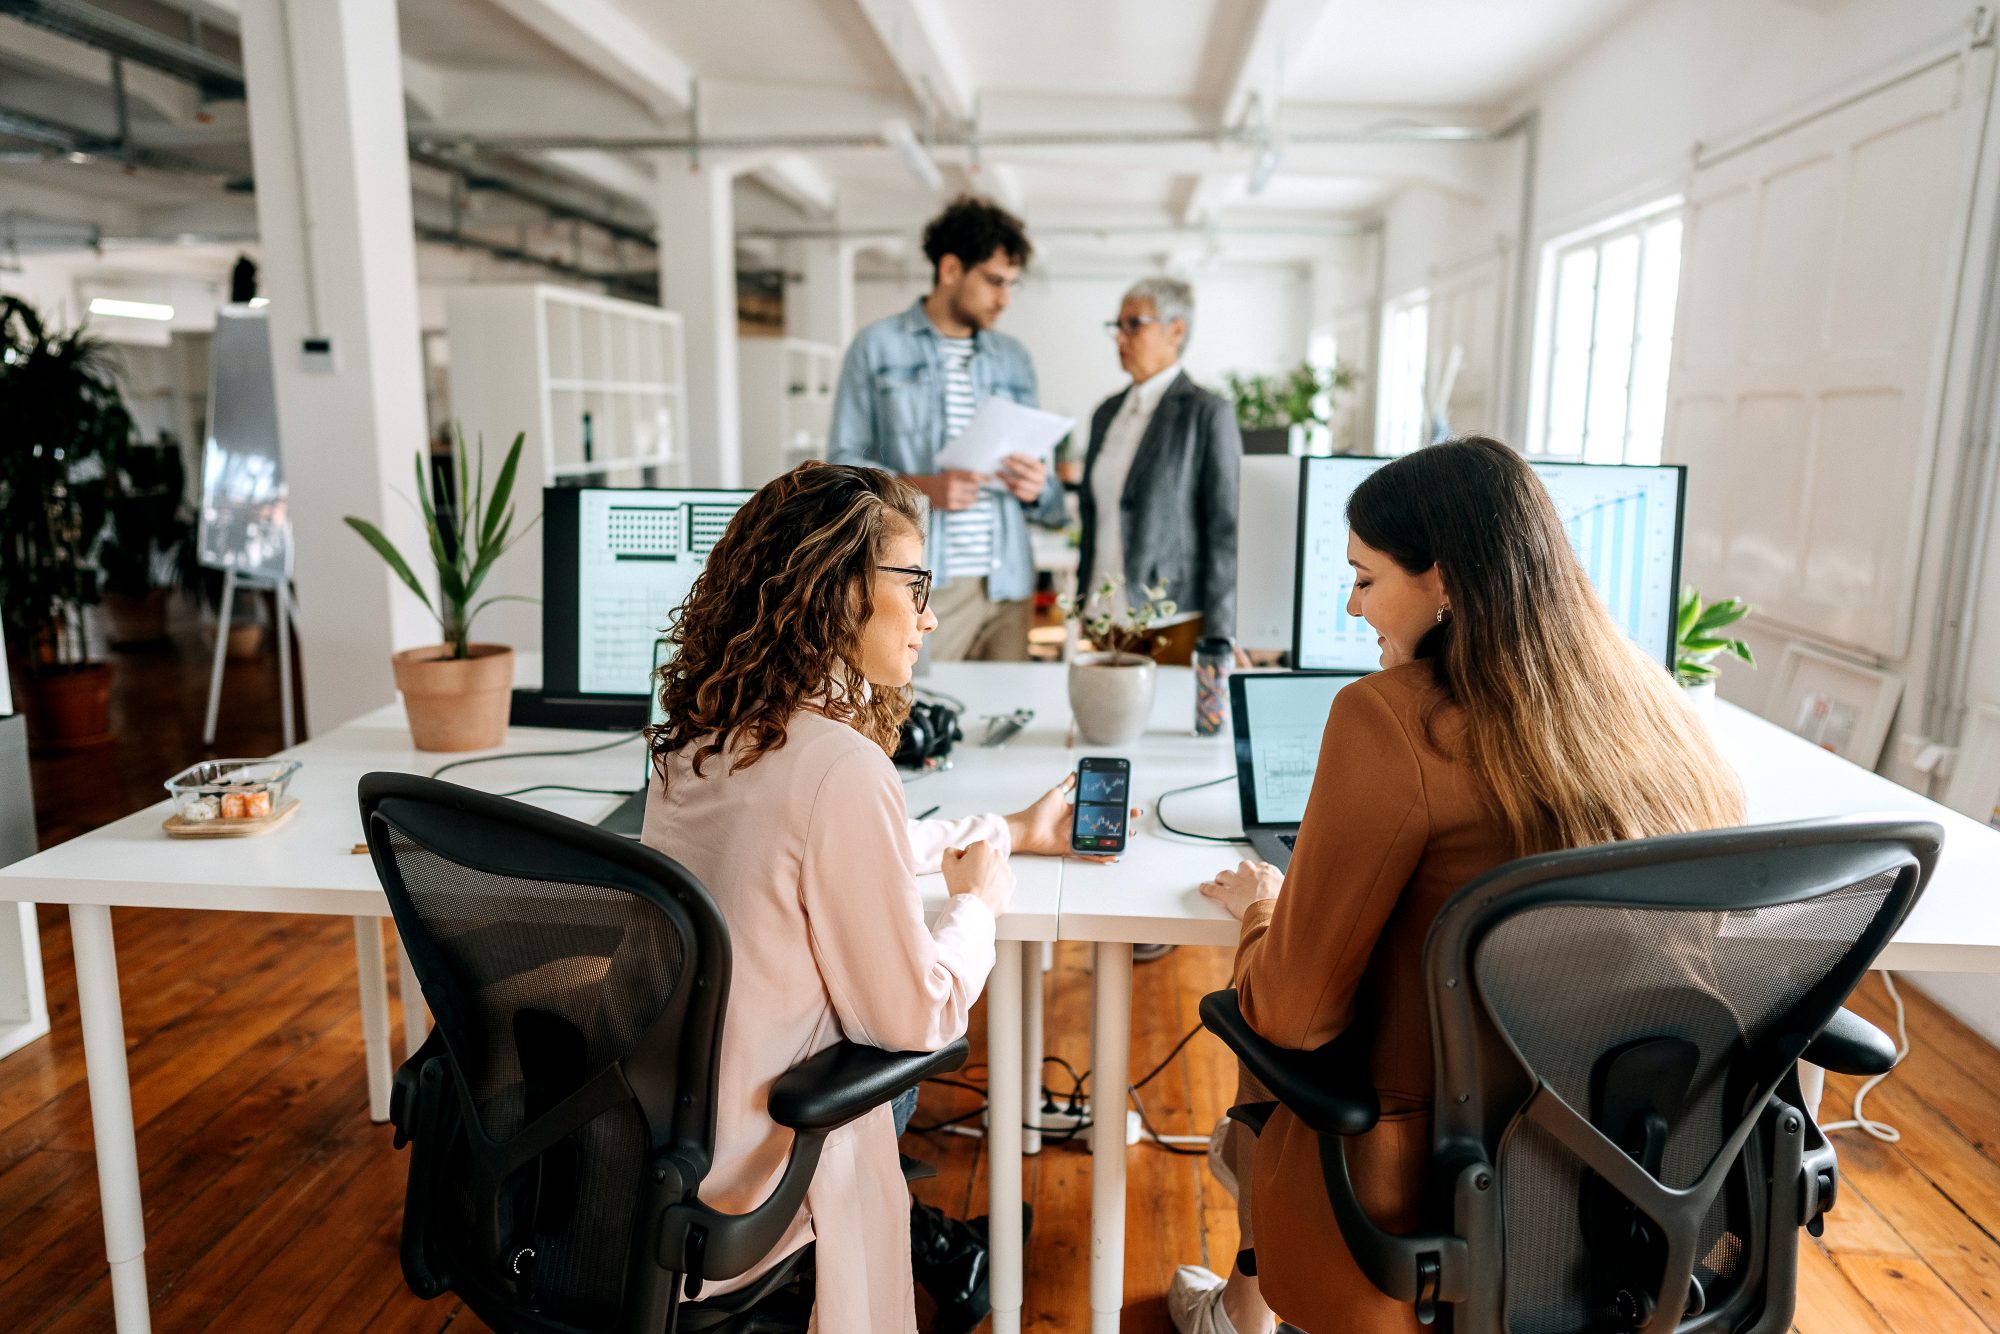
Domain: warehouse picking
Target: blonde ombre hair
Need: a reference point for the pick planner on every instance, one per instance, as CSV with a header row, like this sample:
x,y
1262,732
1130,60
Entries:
x,y
1575,735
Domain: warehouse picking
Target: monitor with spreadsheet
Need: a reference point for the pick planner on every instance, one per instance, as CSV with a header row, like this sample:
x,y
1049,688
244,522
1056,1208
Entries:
x,y
1624,521
616,562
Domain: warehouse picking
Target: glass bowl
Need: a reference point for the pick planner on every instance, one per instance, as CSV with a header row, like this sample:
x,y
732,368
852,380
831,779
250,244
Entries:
x,y
230,789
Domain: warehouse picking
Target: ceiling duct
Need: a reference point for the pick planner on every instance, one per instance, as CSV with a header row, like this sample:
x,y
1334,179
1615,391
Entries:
x,y
217,76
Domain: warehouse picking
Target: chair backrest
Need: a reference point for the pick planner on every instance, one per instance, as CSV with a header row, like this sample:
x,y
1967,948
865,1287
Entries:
x,y
578,980
1652,996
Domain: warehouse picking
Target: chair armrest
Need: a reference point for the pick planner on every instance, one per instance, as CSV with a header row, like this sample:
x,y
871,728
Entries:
x,y
830,1089
1328,1088
405,1089
1850,1045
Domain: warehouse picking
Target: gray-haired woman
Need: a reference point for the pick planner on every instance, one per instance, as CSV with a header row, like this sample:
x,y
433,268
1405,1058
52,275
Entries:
x,y
1160,476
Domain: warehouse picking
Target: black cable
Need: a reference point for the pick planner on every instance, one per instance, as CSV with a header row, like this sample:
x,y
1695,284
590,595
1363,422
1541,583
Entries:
x,y
1170,1057
565,787
1160,812
533,754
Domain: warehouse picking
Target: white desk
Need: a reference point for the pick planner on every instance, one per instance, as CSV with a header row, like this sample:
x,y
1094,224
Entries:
x,y
307,866
1152,894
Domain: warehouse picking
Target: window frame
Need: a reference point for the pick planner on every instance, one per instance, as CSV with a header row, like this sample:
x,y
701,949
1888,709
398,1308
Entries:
x,y
1595,237
1388,418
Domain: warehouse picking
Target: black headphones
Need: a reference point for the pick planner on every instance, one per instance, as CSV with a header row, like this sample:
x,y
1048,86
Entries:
x,y
928,734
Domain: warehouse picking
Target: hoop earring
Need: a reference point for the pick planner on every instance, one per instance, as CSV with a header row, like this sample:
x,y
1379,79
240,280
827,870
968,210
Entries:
x,y
1441,611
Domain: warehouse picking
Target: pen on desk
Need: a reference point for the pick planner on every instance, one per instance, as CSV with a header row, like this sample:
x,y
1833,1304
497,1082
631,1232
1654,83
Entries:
x,y
929,813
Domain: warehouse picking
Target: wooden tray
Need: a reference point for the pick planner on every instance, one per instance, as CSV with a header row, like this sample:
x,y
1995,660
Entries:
x,y
263,824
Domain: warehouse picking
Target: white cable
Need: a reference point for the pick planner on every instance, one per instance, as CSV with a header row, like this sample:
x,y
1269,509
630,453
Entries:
x,y
1861,1121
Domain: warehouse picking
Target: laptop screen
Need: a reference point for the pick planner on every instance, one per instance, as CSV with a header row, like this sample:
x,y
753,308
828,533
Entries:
x,y
1279,719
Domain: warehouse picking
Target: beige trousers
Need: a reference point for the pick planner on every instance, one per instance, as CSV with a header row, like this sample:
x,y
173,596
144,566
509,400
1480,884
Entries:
x,y
974,628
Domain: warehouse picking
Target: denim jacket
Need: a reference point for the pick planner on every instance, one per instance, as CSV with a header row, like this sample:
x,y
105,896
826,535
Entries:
x,y
889,413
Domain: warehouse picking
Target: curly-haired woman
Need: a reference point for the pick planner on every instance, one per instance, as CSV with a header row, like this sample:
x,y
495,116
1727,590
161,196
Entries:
x,y
773,784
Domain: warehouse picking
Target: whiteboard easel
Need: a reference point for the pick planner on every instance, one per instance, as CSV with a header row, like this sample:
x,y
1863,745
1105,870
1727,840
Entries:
x,y
245,528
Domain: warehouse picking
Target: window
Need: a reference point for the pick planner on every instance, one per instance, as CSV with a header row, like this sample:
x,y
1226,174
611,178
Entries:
x,y
1402,417
1606,342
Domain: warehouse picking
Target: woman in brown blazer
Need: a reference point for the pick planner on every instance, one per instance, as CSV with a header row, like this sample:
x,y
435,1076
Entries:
x,y
1512,716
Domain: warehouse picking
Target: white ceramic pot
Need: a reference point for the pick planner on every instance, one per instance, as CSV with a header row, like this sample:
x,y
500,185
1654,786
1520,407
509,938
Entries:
x,y
1111,695
1701,695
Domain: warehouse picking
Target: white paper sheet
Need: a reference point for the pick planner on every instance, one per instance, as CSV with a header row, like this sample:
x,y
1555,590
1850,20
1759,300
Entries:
x,y
1002,427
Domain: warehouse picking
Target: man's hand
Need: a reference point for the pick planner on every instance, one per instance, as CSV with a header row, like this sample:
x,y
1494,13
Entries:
x,y
1025,476
952,489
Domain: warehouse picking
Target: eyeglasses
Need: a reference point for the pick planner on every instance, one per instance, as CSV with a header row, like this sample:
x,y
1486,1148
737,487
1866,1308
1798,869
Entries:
x,y
920,583
1129,326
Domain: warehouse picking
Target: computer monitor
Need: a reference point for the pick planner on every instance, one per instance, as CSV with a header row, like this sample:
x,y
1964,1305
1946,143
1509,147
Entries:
x,y
616,562
1267,520
1624,521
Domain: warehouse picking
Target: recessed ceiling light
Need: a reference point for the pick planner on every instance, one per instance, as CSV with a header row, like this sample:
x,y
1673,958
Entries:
x,y
131,310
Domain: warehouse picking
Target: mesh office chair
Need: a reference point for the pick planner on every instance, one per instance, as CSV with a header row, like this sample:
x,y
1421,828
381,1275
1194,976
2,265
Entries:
x,y
1618,1138
563,1110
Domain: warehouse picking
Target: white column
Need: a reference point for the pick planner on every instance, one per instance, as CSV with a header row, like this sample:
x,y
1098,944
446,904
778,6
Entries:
x,y
821,305
697,219
1006,1099
329,147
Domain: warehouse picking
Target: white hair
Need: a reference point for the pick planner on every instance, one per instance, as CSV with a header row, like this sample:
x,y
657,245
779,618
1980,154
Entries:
x,y
1171,298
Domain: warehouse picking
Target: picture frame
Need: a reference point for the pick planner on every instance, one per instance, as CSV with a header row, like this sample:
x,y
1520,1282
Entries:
x,y
1974,789
1837,705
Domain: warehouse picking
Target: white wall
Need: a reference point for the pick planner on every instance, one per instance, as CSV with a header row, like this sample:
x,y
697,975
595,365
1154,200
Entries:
x,y
1246,319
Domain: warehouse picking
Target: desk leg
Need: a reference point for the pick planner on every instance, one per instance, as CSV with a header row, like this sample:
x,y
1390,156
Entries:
x,y
1005,1087
416,1018
374,977
111,1113
1034,964
1111,1066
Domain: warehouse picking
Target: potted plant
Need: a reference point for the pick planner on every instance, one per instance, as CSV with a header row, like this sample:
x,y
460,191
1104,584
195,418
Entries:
x,y
1274,412
1699,639
1111,689
143,553
66,427
457,693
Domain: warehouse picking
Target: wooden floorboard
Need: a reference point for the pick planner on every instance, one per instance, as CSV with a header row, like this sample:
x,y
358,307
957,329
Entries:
x,y
273,1204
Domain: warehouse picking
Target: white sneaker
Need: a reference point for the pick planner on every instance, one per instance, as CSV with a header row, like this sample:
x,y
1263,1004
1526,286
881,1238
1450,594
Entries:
x,y
1194,1302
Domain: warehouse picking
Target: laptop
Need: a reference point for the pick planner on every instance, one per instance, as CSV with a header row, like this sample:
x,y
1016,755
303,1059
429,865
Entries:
x,y
628,817
1279,719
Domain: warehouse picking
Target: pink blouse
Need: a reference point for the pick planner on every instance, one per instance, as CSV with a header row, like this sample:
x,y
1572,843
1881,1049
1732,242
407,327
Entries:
x,y
813,859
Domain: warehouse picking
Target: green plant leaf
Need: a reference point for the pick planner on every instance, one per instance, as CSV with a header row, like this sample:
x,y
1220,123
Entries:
x,y
1742,650
387,550
1718,614
503,486
1694,645
1689,609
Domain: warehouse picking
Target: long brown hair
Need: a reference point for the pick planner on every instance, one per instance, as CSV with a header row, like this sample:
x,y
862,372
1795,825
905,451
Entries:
x,y
773,623
1576,736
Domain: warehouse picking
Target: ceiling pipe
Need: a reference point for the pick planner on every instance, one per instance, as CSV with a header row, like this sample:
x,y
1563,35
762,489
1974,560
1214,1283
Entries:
x,y
215,75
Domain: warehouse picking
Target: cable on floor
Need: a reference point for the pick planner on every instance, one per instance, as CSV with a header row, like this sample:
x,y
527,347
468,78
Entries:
x,y
1160,812
1861,1121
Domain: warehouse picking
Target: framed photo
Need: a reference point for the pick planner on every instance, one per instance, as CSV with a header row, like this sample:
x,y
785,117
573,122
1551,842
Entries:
x,y
1974,789
1835,704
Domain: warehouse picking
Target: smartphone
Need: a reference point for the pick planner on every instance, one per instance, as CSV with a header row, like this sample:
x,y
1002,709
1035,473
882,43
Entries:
x,y
1103,803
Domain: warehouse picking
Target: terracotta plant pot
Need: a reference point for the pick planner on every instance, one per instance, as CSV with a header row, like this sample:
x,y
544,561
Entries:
x,y
68,707
140,620
1111,695
456,703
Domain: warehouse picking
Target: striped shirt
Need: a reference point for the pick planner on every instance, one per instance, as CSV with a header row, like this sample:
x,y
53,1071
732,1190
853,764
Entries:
x,y
970,549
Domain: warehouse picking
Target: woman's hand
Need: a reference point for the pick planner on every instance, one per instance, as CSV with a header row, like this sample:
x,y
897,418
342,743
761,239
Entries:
x,y
981,872
1236,890
1043,828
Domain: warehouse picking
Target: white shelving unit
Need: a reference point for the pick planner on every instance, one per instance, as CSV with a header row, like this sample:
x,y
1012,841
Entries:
x,y
598,384
787,386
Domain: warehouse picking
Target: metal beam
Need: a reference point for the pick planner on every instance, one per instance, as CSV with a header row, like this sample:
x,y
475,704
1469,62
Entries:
x,y
214,75
1281,26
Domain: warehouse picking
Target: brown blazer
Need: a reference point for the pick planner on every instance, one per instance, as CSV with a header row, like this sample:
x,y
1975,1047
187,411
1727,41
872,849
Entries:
x,y
1393,828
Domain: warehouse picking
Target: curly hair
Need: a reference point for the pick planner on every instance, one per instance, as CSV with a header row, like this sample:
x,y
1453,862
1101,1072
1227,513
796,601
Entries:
x,y
972,228
773,623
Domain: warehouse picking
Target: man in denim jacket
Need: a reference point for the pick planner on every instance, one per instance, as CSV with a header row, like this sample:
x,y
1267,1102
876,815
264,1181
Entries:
x,y
910,383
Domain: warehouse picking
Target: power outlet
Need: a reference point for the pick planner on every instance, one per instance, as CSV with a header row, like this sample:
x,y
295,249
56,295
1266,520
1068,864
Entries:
x,y
1060,1119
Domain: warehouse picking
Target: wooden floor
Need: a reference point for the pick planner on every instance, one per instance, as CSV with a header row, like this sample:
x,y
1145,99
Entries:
x,y
273,1204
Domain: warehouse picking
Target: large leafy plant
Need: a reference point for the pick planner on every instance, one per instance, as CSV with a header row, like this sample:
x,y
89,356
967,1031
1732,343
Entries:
x,y
63,429
1699,635
465,539
1301,395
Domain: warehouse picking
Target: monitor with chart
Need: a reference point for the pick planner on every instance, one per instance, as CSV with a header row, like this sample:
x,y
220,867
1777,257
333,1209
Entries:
x,y
1624,521
616,562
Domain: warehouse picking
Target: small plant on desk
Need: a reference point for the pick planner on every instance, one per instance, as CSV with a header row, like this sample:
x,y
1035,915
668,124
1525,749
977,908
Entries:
x,y
1127,630
1699,638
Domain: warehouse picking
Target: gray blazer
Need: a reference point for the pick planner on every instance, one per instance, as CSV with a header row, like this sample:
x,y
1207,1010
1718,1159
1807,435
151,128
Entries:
x,y
1177,512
